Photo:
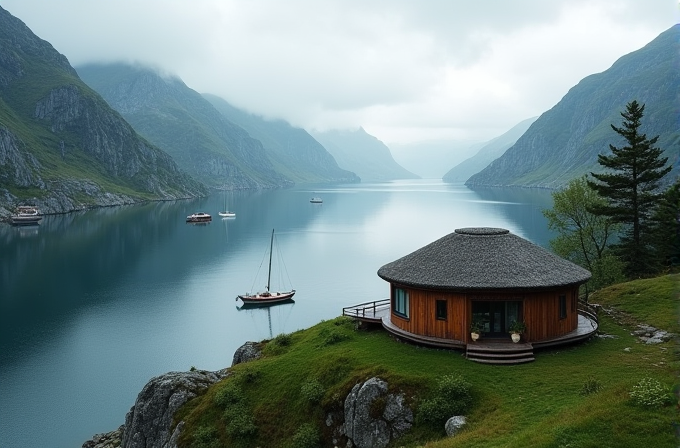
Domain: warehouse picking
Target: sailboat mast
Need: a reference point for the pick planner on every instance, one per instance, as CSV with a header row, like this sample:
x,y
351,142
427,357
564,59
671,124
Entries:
x,y
271,247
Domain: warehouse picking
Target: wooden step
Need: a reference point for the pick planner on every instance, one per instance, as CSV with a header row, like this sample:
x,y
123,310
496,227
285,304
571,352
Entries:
x,y
499,353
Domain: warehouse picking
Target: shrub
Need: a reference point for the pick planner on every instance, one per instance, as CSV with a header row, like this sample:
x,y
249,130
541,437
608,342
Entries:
x,y
452,397
307,436
332,336
283,340
590,386
229,394
312,391
650,392
240,422
205,437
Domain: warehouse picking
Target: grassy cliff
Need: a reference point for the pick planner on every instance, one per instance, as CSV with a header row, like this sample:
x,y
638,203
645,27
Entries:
x,y
573,396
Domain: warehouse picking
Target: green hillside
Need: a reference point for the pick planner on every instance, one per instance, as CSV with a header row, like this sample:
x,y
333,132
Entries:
x,y
563,143
62,145
573,396
292,150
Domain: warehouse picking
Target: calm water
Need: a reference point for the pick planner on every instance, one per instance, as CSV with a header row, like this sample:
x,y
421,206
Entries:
x,y
94,304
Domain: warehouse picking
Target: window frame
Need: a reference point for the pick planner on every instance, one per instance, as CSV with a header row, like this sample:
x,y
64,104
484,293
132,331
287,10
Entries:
x,y
400,302
562,306
441,305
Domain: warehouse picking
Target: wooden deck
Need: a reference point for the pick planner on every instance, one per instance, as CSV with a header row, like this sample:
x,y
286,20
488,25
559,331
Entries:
x,y
491,351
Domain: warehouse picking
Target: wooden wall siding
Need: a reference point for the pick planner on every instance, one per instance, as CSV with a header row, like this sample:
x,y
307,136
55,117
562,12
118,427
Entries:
x,y
542,315
423,315
540,311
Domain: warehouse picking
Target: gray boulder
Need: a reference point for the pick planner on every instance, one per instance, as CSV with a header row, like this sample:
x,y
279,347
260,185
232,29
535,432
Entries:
x,y
149,422
454,425
247,352
365,429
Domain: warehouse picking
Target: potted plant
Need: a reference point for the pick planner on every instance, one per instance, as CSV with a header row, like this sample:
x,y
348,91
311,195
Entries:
x,y
516,329
476,328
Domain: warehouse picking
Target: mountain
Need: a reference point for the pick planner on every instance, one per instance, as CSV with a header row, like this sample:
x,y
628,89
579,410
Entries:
x,y
292,150
364,154
431,158
487,154
61,146
200,138
563,143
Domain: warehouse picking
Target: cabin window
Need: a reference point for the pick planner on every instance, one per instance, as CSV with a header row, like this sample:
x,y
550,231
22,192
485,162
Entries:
x,y
400,302
441,309
563,306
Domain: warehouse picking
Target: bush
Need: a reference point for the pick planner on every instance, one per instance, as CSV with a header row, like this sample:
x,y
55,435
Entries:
x,y
205,437
452,397
332,336
283,340
590,386
312,391
307,436
240,422
229,394
650,392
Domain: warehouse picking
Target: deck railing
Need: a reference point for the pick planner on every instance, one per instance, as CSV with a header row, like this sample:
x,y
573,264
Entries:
x,y
588,310
367,310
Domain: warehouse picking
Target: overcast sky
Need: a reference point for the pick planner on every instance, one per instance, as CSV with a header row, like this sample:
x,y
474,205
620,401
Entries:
x,y
405,70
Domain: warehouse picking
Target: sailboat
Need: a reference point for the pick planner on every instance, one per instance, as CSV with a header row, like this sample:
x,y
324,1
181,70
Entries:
x,y
226,213
267,296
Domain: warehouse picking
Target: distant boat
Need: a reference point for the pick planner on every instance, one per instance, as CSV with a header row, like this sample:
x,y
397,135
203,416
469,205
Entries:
x,y
26,216
316,200
199,217
226,213
267,296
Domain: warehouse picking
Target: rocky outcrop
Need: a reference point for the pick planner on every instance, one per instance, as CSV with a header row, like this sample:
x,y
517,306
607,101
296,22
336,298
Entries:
x,y
374,417
247,352
149,424
106,440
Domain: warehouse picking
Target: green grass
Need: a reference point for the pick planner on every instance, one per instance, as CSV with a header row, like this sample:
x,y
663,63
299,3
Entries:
x,y
539,404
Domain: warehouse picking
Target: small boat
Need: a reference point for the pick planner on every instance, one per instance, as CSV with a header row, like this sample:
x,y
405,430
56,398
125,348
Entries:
x,y
199,217
26,216
316,200
227,214
267,297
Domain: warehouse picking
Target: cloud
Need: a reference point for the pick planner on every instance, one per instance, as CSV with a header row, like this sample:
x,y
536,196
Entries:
x,y
403,69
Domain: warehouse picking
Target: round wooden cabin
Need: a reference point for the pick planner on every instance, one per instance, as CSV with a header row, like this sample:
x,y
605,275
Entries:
x,y
485,274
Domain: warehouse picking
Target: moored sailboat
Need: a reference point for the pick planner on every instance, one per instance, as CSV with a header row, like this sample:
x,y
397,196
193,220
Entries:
x,y
267,296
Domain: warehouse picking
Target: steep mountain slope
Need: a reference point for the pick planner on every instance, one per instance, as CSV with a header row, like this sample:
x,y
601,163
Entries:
x,y
488,153
364,154
292,150
183,123
61,146
563,143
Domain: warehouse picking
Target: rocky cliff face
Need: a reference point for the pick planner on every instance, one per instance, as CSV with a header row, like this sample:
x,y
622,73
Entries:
x,y
564,142
60,142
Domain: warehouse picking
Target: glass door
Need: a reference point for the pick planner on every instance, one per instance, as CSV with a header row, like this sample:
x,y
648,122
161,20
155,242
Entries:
x,y
496,316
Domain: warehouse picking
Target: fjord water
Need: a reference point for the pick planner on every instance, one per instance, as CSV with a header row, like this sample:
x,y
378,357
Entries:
x,y
94,304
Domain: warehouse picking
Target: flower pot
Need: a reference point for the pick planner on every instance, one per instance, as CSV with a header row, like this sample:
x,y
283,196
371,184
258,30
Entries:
x,y
474,336
515,337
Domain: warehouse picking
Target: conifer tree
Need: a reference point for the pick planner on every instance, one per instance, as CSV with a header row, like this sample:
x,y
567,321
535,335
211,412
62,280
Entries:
x,y
630,185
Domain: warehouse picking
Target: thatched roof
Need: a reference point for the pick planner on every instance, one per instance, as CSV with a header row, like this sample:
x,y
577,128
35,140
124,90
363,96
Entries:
x,y
483,259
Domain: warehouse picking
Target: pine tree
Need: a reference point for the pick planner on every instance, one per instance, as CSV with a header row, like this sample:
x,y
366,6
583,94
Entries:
x,y
630,185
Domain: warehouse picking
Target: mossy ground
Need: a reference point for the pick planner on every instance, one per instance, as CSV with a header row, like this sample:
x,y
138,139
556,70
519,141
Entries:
x,y
539,404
